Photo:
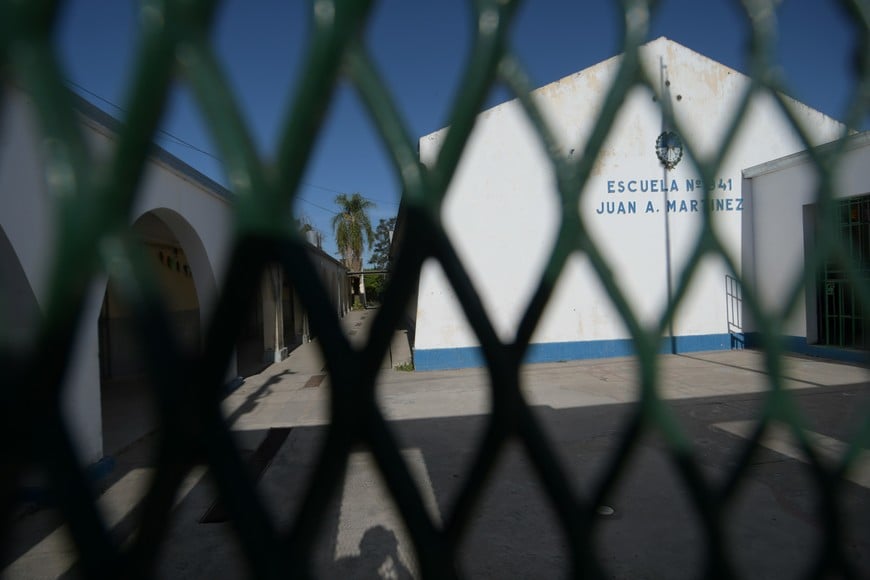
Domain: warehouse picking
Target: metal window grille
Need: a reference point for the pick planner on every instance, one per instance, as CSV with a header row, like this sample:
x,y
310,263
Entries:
x,y
844,322
734,311
92,207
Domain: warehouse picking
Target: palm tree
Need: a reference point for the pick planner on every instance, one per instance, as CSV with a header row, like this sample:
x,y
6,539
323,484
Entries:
x,y
350,224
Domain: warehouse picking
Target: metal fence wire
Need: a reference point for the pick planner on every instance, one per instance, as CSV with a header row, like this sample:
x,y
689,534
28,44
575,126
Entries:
x,y
92,203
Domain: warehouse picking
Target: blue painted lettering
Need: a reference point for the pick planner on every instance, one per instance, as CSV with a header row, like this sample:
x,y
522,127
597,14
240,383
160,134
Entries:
x,y
697,205
617,207
649,185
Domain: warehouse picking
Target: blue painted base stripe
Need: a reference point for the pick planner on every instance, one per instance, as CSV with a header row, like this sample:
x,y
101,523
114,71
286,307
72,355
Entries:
x,y
438,359
799,345
472,356
41,494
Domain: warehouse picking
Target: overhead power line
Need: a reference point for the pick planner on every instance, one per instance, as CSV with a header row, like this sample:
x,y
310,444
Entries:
x,y
183,143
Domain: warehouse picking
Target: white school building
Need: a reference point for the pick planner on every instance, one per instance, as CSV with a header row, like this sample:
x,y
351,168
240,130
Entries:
x,y
643,207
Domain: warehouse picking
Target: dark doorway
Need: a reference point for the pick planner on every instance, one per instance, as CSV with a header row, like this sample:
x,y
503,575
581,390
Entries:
x,y
843,319
126,394
250,346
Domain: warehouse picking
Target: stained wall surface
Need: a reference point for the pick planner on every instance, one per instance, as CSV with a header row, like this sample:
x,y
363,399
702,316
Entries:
x,y
502,211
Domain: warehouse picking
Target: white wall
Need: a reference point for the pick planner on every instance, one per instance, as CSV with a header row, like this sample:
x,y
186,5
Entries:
x,y
780,192
24,213
199,218
197,211
502,211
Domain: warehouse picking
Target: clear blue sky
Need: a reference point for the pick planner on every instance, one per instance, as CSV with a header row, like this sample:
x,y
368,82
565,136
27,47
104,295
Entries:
x,y
420,48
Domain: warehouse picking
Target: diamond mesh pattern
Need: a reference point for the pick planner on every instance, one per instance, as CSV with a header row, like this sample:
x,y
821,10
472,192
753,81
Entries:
x,y
92,204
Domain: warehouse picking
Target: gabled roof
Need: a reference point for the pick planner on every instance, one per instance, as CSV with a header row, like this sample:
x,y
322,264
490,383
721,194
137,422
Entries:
x,y
659,46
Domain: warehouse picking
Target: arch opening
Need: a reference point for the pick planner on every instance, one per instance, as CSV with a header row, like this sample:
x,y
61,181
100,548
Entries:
x,y
127,400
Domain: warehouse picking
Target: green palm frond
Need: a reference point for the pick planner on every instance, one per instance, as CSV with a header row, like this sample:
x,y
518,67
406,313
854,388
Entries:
x,y
352,227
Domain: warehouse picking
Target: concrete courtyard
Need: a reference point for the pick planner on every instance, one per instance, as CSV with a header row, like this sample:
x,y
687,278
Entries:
x,y
650,530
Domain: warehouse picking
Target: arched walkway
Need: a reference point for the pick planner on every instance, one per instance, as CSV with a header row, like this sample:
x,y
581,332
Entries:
x,y
179,262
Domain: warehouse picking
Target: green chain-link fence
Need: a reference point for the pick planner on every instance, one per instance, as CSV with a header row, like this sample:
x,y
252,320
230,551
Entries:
x,y
92,205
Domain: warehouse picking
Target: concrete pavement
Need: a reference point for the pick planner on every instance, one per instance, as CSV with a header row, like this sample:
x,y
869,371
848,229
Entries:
x,y
773,526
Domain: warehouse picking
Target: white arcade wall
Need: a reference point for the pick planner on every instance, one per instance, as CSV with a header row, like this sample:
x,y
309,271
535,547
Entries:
x,y
195,216
197,211
502,211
